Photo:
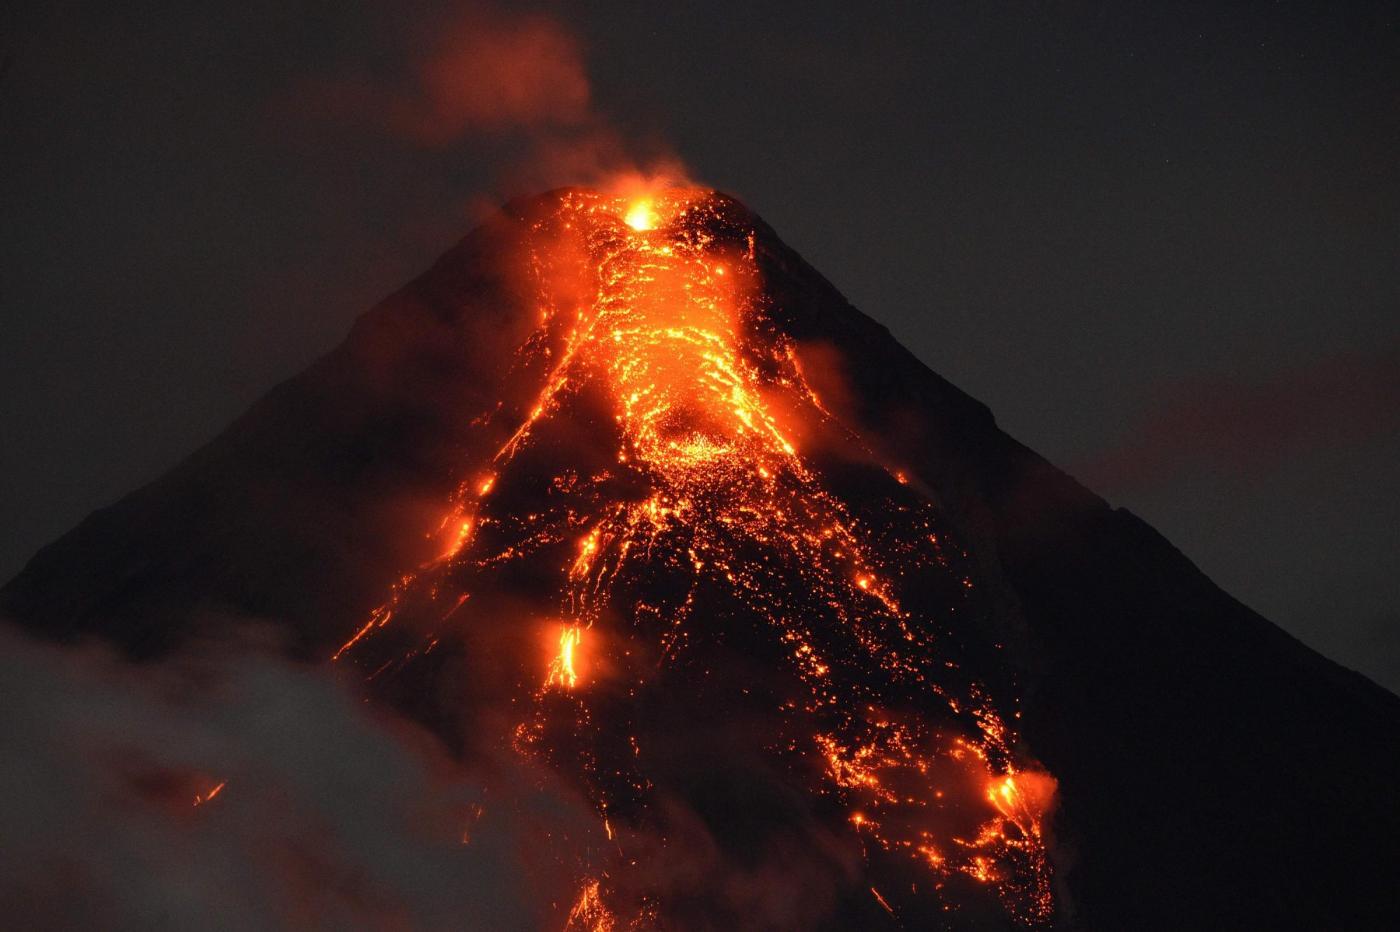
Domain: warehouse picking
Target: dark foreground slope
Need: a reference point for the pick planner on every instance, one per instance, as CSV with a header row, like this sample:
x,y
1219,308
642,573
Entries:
x,y
1213,772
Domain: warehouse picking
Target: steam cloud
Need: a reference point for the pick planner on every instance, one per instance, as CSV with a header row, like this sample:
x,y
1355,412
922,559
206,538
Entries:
x,y
482,72
331,814
480,75
329,818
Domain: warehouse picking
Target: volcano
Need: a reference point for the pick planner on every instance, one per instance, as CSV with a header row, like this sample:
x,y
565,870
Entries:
x,y
625,488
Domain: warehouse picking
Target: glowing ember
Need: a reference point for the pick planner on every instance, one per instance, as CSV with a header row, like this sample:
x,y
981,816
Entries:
x,y
709,496
589,914
203,798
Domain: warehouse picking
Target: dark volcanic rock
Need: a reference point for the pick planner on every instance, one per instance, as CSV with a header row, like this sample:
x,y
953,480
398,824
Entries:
x,y
1213,771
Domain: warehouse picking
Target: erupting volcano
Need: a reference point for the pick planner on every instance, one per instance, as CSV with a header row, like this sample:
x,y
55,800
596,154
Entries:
x,y
623,490
702,529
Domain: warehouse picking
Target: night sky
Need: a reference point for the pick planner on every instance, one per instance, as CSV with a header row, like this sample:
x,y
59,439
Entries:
x,y
1160,241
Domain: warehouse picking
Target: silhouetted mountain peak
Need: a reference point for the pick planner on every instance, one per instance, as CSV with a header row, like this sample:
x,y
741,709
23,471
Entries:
x,y
623,486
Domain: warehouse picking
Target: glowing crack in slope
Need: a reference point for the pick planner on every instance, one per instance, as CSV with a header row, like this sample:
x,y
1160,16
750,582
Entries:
x,y
653,318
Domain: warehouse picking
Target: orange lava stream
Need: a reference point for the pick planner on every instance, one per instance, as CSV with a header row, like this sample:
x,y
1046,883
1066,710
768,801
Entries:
x,y
562,672
708,406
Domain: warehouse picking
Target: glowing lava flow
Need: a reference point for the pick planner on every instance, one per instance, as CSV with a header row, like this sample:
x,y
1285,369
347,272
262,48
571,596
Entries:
x,y
706,488
562,672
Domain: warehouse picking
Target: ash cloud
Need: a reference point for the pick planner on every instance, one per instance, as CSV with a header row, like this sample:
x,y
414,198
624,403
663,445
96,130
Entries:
x,y
321,810
479,70
482,76
330,817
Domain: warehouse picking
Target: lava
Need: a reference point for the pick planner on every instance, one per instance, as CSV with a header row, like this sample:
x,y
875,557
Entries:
x,y
562,672
672,362
208,796
640,216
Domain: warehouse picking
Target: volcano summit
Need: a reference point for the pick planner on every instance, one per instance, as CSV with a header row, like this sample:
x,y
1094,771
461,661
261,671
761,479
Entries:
x,y
623,488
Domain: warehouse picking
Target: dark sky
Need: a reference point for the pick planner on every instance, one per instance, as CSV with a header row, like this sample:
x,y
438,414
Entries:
x,y
1161,241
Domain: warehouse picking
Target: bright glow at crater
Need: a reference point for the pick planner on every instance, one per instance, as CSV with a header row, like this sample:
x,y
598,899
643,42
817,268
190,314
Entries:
x,y
640,215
